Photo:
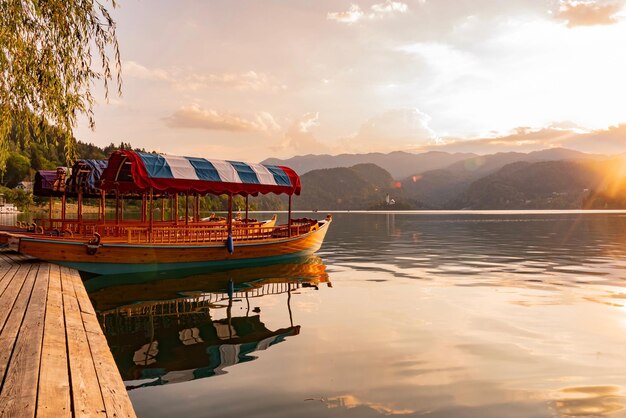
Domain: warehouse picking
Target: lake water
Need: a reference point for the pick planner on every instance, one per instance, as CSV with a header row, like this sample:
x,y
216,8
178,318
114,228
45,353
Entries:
x,y
438,315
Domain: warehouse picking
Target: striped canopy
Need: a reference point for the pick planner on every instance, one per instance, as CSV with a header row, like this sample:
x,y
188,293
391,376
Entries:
x,y
130,171
85,177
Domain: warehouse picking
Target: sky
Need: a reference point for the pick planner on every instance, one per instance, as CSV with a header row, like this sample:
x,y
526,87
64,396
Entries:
x,y
248,80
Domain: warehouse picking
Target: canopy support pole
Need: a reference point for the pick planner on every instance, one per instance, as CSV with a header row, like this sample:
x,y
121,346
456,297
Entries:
x,y
289,219
151,212
246,221
117,207
196,208
104,206
162,209
122,207
50,212
171,206
143,207
80,206
186,208
230,214
80,212
63,206
176,208
100,208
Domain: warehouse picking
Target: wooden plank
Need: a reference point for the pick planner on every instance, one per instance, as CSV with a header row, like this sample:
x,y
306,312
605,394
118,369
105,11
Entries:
x,y
113,389
7,276
86,396
19,394
14,320
9,296
81,293
114,393
53,396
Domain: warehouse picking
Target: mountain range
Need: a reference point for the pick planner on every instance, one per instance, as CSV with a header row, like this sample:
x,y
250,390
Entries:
x,y
399,164
550,179
402,164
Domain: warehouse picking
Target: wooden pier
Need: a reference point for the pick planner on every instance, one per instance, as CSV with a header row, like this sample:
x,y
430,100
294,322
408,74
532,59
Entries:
x,y
54,358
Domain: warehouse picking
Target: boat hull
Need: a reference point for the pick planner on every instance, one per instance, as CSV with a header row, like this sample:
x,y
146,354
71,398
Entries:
x,y
120,258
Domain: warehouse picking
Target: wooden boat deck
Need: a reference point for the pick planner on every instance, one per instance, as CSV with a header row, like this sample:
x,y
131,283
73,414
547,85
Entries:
x,y
54,358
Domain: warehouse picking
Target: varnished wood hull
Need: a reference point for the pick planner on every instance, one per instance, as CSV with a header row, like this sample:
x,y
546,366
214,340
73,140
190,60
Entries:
x,y
120,258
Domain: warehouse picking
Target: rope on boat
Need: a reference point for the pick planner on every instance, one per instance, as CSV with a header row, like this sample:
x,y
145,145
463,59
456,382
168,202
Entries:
x,y
93,244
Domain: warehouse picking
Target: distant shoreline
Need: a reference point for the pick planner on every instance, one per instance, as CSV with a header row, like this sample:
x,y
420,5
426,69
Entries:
x,y
323,212
458,212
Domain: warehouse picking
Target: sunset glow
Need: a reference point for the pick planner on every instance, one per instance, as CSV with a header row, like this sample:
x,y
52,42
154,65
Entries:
x,y
284,78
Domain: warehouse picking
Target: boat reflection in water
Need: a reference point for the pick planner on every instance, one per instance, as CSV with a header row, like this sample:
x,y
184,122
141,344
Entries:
x,y
166,330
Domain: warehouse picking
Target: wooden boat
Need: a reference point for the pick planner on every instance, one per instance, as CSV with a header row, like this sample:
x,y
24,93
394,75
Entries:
x,y
117,247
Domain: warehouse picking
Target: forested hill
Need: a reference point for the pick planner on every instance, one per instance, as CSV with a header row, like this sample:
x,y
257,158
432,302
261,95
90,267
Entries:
x,y
363,186
561,184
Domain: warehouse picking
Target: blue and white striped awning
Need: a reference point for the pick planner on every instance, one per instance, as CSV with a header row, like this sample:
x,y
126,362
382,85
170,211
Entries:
x,y
193,168
199,175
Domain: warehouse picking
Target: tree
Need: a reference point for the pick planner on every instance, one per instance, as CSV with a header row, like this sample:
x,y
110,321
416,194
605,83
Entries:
x,y
46,68
21,198
18,167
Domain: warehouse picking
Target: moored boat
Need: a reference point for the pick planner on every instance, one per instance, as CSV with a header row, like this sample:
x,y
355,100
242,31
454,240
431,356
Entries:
x,y
115,247
7,208
130,256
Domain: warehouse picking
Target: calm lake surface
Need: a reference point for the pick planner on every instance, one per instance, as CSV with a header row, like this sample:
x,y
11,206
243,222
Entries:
x,y
442,315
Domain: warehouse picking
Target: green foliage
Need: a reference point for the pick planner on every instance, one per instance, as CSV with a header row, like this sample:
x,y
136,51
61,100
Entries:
x,y
269,202
18,167
90,152
358,187
46,68
542,185
20,198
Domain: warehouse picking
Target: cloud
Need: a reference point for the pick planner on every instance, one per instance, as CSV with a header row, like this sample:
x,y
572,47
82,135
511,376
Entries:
x,y
308,121
521,139
352,15
389,7
193,117
185,80
587,12
611,140
395,129
136,70
250,80
299,139
377,11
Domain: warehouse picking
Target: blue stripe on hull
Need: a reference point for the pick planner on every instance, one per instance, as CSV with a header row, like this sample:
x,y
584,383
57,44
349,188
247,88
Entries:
x,y
126,268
